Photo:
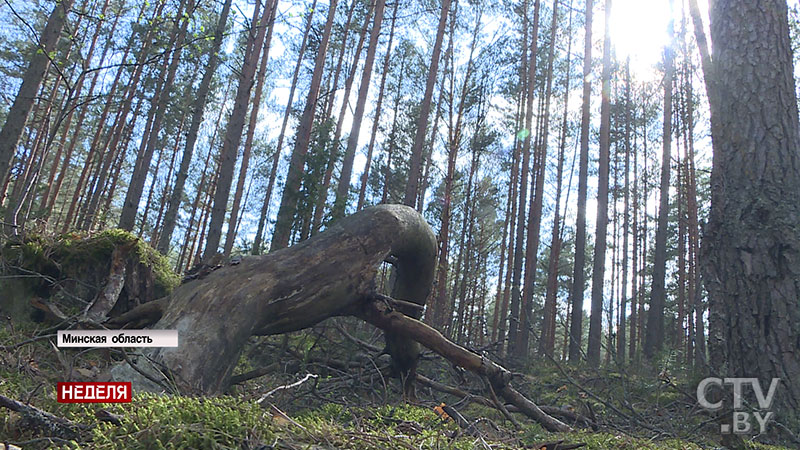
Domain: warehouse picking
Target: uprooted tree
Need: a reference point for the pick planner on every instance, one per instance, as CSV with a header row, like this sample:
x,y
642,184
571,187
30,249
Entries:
x,y
331,274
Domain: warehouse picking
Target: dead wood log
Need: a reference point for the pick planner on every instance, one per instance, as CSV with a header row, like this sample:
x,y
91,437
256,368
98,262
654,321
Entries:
x,y
289,290
107,297
329,275
33,418
142,316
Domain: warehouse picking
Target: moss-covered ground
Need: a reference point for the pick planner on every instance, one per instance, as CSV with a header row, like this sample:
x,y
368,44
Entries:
x,y
331,411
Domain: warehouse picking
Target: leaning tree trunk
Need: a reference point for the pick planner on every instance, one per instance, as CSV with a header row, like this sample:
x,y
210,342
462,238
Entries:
x,y
331,274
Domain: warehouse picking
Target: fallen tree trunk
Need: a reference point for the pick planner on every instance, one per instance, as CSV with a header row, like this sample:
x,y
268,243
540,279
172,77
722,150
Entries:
x,y
288,290
331,274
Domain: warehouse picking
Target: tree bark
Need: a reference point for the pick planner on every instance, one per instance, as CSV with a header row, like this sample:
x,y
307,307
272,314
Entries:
x,y
293,289
332,273
601,227
751,246
578,276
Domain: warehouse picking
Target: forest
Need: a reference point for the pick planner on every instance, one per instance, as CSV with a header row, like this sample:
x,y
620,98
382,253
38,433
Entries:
x,y
547,224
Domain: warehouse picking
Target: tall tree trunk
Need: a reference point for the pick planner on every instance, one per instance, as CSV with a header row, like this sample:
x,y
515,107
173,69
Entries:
x,y
201,186
467,232
468,224
623,307
340,60
578,277
424,181
645,225
322,196
198,108
233,132
362,191
441,306
679,331
387,170
548,341
425,110
707,66
654,336
537,198
291,190
118,126
635,225
142,166
163,197
230,236
512,192
343,190
54,184
51,191
751,244
257,242
514,326
17,115
598,271
695,287
498,301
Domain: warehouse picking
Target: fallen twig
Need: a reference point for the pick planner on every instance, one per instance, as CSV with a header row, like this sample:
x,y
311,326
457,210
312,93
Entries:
x,y
287,386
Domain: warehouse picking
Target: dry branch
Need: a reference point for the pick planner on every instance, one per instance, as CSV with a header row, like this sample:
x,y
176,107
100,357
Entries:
x,y
41,421
381,315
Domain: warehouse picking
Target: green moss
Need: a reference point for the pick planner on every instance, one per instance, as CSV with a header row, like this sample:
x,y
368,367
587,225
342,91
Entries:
x,y
78,250
161,422
76,255
385,427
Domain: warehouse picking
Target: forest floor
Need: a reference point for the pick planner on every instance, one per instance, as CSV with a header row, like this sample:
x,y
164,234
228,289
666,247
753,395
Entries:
x,y
346,402
322,388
